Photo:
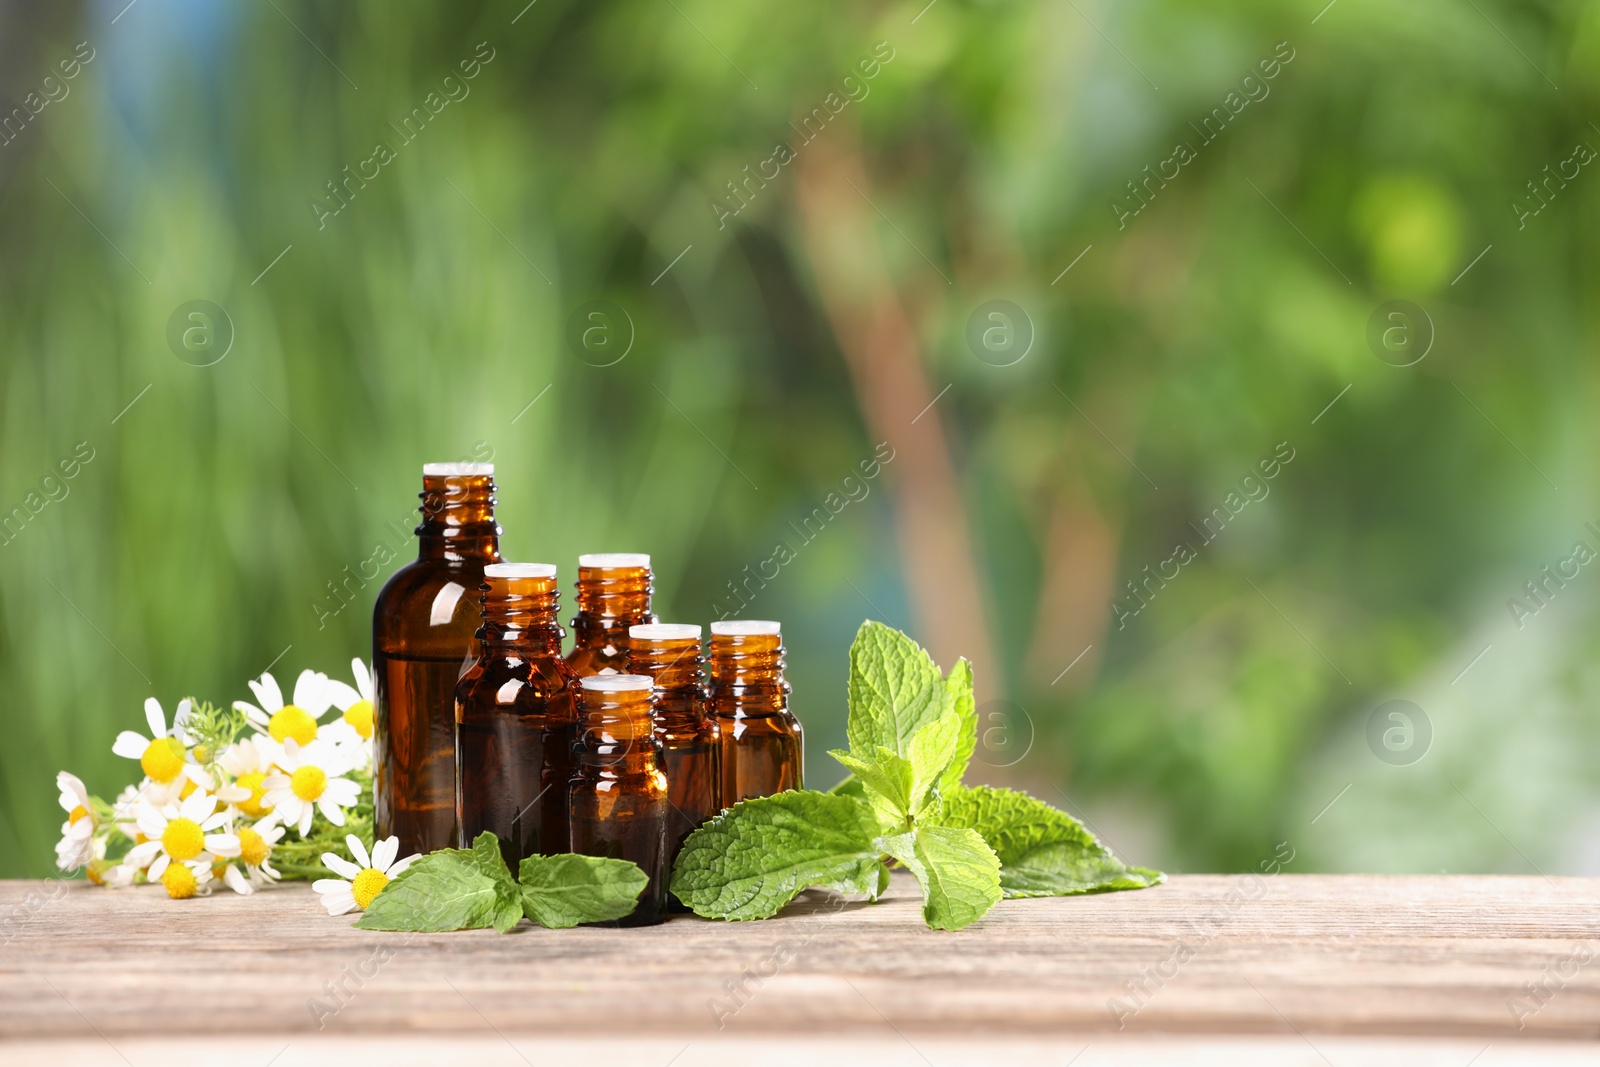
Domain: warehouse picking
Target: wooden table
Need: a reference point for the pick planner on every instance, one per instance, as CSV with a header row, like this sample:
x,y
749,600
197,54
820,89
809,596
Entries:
x,y
1292,969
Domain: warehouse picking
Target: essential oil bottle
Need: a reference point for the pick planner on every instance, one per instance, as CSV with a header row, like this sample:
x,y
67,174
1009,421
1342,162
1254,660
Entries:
x,y
516,718
422,639
618,797
613,594
762,749
691,744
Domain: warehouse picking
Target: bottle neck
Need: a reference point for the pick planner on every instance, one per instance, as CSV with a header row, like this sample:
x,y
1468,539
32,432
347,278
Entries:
x,y
610,600
747,673
679,672
618,733
521,617
458,519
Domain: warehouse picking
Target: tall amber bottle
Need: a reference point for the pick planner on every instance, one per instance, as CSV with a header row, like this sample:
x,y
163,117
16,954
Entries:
x,y
762,748
613,594
618,797
516,718
691,744
422,631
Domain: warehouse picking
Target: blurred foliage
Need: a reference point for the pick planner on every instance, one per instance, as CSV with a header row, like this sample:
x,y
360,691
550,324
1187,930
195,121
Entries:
x,y
198,543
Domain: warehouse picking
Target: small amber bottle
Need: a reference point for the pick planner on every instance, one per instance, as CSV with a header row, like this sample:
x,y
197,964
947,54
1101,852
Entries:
x,y
762,748
422,639
690,741
613,594
618,797
516,718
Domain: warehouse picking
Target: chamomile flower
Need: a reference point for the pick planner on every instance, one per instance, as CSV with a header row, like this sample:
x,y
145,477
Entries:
x,y
255,852
250,761
310,780
164,753
181,835
297,719
184,880
356,705
77,845
363,880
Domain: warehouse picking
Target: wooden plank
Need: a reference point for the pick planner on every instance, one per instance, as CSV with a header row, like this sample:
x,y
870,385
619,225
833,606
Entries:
x,y
1294,958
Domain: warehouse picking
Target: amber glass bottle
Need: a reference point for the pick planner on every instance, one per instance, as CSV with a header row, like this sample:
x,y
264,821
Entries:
x,y
613,594
422,630
619,795
516,718
690,741
762,749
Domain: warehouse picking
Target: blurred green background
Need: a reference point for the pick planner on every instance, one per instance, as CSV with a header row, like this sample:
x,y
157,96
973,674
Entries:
x,y
786,313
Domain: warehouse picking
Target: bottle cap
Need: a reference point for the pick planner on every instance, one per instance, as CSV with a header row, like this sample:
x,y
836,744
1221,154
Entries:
x,y
520,570
745,628
458,470
614,560
664,631
618,683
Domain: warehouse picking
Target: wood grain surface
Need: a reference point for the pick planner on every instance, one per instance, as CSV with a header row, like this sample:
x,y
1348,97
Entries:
x,y
1293,968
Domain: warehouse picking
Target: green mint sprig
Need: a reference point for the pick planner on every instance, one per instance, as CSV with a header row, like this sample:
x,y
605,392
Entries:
x,y
912,731
472,889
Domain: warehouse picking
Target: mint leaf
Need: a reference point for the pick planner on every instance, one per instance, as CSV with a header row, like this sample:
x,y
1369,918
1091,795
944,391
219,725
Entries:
x,y
451,889
886,784
960,701
754,858
850,787
934,749
960,874
1043,852
897,690
565,890
895,687
489,862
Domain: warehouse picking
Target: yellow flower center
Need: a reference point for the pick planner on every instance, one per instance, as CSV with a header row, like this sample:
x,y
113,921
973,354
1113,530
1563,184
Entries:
x,y
180,881
359,715
188,787
77,813
308,783
253,848
93,871
202,754
252,805
162,759
290,721
368,884
183,839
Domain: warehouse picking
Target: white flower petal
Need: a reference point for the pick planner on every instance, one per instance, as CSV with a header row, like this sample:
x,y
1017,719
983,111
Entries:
x,y
140,855
237,882
71,783
340,694
306,811
310,694
331,811
155,716
363,679
358,850
340,865
268,695
383,853
198,806
151,824
130,745
223,844
395,870
253,713
158,867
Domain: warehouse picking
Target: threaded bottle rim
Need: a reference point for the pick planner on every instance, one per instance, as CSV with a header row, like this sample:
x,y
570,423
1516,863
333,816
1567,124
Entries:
x,y
746,628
